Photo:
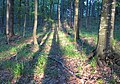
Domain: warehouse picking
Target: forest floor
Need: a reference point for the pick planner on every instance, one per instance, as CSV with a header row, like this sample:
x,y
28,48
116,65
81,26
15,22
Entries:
x,y
59,61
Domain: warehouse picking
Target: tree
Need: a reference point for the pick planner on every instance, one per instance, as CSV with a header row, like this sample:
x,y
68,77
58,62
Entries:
x,y
87,14
58,13
11,16
35,28
7,20
51,8
19,16
25,18
105,37
71,14
3,12
76,28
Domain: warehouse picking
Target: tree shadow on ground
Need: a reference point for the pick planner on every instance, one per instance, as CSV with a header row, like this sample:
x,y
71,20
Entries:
x,y
54,73
87,46
82,43
29,66
22,64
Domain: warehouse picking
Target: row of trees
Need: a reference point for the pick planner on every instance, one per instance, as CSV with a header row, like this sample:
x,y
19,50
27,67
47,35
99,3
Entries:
x,y
24,10
74,10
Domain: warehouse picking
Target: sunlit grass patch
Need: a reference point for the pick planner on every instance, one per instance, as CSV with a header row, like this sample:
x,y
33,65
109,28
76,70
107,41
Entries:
x,y
41,64
100,81
89,35
93,62
69,50
17,69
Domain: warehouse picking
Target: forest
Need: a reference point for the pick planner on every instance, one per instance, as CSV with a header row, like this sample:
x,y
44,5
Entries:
x,y
59,41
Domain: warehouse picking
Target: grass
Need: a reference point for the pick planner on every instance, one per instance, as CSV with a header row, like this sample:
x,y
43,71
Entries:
x,y
17,69
88,34
100,81
41,64
69,51
93,62
21,51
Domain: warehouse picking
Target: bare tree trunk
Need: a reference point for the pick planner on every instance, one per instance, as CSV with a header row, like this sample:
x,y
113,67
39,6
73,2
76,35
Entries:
x,y
98,8
71,14
87,14
76,28
113,18
51,8
27,4
81,13
35,27
104,46
59,14
25,18
19,17
7,20
3,7
11,30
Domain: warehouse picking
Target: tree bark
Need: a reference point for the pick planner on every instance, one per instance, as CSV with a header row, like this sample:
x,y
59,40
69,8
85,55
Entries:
x,y
25,18
59,14
2,17
71,14
7,20
35,26
104,46
76,28
87,14
19,17
51,8
11,29
113,9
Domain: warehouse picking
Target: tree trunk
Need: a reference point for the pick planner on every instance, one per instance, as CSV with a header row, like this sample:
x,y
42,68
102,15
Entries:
x,y
87,14
3,16
35,26
11,29
81,13
71,14
76,28
25,18
19,17
113,18
98,11
93,9
27,11
62,9
82,1
104,46
51,8
7,20
59,14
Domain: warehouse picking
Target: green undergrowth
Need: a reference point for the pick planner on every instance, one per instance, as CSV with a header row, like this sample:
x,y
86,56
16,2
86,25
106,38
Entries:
x,y
90,33
41,63
69,49
17,56
93,62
